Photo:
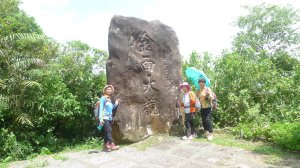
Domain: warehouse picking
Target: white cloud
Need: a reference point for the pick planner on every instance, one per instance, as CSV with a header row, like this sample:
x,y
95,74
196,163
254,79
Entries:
x,y
200,25
58,24
63,24
94,30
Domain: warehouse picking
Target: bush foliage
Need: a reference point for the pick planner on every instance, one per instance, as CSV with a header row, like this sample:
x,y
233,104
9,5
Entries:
x,y
257,82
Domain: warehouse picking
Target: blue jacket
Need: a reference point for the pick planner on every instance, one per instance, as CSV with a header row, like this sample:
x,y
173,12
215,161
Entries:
x,y
106,108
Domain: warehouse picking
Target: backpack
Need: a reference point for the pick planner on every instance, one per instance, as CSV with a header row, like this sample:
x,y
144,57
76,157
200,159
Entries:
x,y
97,109
214,105
197,104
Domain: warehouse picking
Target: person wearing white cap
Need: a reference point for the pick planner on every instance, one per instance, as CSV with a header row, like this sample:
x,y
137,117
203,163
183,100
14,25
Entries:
x,y
105,117
188,102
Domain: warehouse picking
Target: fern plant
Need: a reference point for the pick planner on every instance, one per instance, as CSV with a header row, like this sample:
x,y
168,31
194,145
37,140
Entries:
x,y
15,73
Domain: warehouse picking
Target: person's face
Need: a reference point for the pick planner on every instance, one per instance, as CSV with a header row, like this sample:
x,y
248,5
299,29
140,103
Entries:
x,y
202,84
108,91
184,88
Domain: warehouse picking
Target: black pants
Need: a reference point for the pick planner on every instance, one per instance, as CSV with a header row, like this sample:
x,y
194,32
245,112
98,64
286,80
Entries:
x,y
108,131
189,124
206,119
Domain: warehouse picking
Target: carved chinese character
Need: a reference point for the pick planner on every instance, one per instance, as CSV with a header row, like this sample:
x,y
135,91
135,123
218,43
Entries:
x,y
147,65
150,106
149,85
145,43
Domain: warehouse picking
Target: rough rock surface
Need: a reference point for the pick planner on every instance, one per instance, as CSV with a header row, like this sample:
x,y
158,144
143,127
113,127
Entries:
x,y
144,65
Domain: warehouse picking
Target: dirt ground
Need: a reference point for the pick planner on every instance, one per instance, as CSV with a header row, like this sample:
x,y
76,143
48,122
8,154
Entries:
x,y
170,152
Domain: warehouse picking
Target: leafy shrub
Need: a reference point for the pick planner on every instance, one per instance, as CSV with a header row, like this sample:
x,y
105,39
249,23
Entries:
x,y
250,131
12,148
286,135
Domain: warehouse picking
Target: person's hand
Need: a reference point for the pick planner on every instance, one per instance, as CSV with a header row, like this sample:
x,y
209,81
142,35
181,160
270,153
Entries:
x,y
206,97
118,101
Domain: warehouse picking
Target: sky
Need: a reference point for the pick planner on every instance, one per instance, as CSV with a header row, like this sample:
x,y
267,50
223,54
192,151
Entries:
x,y
200,25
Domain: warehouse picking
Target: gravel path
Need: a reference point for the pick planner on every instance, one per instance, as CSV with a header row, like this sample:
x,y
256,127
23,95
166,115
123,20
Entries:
x,y
172,152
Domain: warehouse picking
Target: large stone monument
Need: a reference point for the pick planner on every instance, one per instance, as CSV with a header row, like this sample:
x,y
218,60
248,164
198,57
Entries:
x,y
144,65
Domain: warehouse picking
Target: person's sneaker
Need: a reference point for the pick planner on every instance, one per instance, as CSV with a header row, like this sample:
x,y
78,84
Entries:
x,y
184,137
114,147
190,137
106,147
210,137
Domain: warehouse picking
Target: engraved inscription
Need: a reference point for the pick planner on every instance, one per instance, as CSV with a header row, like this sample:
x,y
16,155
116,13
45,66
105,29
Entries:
x,y
145,43
147,65
150,106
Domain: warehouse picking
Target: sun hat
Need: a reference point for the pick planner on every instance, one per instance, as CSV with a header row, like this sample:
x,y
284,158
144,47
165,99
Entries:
x,y
185,84
107,86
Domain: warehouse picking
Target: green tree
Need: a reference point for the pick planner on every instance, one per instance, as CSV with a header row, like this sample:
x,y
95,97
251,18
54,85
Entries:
x,y
203,62
256,82
23,49
266,30
82,70
13,20
9,7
